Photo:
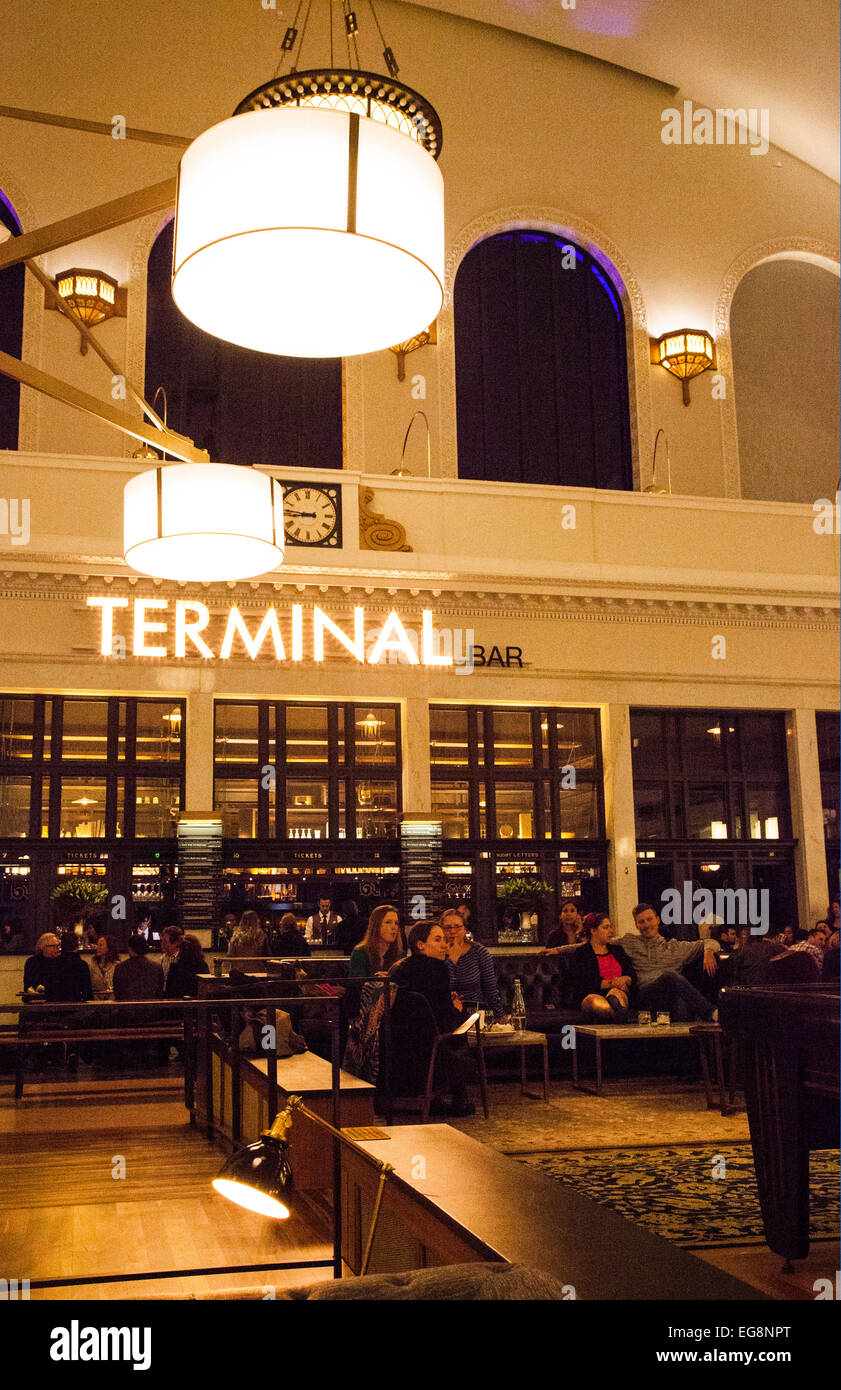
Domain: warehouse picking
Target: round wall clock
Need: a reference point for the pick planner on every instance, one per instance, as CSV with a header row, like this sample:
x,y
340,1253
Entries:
x,y
312,514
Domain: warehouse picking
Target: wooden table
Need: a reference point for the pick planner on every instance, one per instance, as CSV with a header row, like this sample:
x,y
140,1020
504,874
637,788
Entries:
x,y
452,1199
521,1040
602,1032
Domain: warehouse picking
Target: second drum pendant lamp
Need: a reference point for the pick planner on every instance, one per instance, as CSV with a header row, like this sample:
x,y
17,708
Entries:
x,y
311,224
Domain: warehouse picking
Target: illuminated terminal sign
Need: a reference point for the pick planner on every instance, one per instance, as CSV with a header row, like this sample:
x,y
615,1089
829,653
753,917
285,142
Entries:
x,y
159,627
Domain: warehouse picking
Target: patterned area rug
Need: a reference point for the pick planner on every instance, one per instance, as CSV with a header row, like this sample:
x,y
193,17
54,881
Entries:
x,y
697,1195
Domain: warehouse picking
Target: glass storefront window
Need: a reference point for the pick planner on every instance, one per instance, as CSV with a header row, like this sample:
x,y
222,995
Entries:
x,y
236,734
577,739
85,730
763,745
704,741
16,729
14,807
765,813
579,812
650,812
307,811
376,734
157,802
451,802
82,814
448,738
512,738
158,731
306,734
515,811
648,744
706,814
236,801
376,810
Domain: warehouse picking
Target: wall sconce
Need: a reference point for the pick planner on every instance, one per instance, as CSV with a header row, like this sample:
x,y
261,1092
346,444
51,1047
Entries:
x,y
429,337
92,295
685,354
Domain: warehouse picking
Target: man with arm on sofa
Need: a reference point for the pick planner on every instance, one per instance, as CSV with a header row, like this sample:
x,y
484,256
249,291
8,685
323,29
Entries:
x,y
660,966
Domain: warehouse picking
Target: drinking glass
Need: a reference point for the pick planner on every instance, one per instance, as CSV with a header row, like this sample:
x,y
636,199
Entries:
x,y
644,1018
663,1018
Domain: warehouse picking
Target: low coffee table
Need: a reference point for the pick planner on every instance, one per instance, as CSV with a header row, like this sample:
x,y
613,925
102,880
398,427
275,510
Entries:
x,y
522,1040
603,1032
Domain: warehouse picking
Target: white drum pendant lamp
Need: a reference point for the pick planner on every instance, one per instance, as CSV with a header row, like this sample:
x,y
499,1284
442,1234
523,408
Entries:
x,y
311,224
203,521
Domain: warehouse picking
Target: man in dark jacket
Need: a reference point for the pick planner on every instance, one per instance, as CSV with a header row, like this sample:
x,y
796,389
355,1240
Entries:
x,y
137,977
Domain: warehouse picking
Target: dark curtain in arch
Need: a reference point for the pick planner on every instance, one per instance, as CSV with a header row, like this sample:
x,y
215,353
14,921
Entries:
x,y
541,370
11,335
242,406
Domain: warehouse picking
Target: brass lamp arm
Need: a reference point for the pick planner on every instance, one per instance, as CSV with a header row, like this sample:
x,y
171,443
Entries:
x,y
158,197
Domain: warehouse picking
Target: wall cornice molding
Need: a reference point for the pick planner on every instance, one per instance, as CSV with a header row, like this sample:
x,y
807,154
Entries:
x,y
462,603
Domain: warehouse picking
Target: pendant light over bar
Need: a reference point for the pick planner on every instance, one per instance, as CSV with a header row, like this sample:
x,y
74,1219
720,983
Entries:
x,y
203,521
311,224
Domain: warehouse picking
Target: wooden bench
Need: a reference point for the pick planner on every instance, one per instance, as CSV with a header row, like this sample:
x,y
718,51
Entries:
x,y
118,1033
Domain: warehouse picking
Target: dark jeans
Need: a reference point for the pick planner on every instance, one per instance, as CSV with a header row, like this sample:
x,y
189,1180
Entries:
x,y
672,991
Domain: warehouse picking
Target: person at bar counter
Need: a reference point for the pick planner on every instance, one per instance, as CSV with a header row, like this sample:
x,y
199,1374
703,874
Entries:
x,y
352,928
381,946
472,974
39,966
425,972
248,939
322,926
185,963
660,966
102,964
145,928
601,974
288,940
569,931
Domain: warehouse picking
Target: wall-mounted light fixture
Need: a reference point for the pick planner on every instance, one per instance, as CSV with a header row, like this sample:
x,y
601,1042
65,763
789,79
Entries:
x,y
685,354
92,295
428,338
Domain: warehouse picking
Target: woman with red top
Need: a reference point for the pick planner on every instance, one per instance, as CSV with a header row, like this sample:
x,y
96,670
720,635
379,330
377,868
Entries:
x,y
601,974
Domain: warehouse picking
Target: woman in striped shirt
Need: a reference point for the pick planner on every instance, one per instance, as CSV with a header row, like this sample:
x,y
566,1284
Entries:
x,y
472,974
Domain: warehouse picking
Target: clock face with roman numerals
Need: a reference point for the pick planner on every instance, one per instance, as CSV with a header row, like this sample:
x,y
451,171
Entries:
x,y
312,515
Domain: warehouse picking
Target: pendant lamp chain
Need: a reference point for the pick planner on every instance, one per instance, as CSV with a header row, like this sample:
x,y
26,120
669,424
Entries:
x,y
295,35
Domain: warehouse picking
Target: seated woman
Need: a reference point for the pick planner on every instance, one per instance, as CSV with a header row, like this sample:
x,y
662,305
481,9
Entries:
x,y
363,1004
105,958
472,974
601,975
425,972
568,932
381,946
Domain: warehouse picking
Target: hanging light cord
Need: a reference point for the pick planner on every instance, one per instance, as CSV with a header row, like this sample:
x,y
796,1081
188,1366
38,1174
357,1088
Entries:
x,y
423,416
294,38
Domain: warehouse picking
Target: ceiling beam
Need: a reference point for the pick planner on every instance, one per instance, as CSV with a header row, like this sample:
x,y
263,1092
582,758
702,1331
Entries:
x,y
150,137
159,197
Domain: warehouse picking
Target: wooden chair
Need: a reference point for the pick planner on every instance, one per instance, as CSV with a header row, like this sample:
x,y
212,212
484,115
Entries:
x,y
415,1019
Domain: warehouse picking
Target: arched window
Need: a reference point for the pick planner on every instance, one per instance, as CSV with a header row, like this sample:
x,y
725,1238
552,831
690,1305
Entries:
x,y
11,332
242,406
784,330
541,372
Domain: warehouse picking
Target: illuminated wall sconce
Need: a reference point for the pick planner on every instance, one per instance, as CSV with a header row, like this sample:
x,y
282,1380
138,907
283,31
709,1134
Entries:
x,y
428,338
92,295
685,354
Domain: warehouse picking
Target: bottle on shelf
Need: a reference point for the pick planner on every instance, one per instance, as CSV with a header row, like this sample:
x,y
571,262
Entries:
x,y
518,1008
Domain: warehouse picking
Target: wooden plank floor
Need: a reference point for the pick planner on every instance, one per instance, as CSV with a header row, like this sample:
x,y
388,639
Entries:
x,y
63,1213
